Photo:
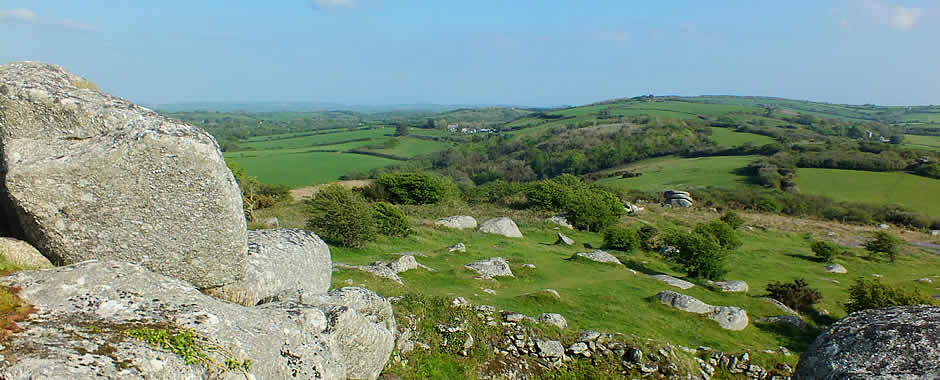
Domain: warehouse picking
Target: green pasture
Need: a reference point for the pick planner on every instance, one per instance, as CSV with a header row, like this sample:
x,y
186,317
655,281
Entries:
x,y
922,142
376,135
915,192
684,173
299,169
728,138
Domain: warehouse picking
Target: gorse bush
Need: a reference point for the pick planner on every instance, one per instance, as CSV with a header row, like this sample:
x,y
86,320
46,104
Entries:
x,y
341,216
592,209
412,188
620,238
723,234
699,255
797,295
825,250
648,236
732,219
391,221
883,243
872,294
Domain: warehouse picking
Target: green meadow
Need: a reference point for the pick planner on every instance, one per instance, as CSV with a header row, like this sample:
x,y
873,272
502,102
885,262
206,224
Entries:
x,y
728,138
684,173
915,192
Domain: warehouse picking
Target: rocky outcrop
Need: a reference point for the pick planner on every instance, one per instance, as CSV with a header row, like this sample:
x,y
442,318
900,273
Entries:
x,y
672,281
554,319
280,260
730,286
728,317
459,247
889,343
560,221
491,267
21,254
91,176
678,198
564,240
599,256
459,222
500,226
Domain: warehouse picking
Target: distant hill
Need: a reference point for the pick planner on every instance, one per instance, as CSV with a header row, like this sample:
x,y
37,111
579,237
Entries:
x,y
306,107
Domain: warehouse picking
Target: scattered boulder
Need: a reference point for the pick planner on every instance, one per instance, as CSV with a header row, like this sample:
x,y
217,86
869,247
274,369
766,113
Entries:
x,y
21,254
924,280
459,247
552,292
836,268
92,176
631,208
599,256
554,319
378,269
668,251
678,198
730,286
491,267
550,349
332,340
561,221
728,317
460,222
500,226
280,260
672,281
530,266
781,306
889,343
403,264
883,226
564,240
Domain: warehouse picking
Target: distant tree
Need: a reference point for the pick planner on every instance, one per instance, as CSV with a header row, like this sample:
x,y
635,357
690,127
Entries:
x,y
884,243
825,250
732,219
699,254
897,139
429,124
401,130
722,233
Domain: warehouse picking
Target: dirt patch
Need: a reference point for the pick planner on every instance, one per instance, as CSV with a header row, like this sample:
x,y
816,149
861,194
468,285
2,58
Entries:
x,y
307,192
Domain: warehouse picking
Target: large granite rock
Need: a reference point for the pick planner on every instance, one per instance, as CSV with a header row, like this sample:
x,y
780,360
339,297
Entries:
x,y
678,198
280,260
889,343
491,267
672,281
735,286
21,254
459,222
500,226
728,317
85,311
91,176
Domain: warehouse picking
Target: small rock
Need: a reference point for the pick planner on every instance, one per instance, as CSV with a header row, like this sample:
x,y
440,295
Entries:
x,y
500,226
404,263
730,317
925,280
554,319
668,250
489,291
459,247
588,336
883,226
530,266
552,292
731,286
550,348
459,302
561,221
577,348
491,267
672,281
836,268
459,222
563,240
599,256
649,367
876,275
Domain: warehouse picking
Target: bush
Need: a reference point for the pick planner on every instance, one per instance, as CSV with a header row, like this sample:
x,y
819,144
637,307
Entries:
x,y
825,250
649,237
732,219
547,195
620,238
721,232
341,216
699,254
883,243
592,209
872,294
412,188
797,295
391,221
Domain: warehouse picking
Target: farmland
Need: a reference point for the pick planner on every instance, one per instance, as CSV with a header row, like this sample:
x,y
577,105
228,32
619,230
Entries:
x,y
916,193
684,173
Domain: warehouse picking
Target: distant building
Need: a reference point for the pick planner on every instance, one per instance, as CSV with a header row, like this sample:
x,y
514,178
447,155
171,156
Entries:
x,y
452,128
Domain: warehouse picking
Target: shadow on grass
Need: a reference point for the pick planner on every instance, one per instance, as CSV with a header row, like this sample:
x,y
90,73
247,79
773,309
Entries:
x,y
806,257
790,337
639,267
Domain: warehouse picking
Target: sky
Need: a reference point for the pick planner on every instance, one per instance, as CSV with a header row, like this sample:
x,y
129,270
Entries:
x,y
518,52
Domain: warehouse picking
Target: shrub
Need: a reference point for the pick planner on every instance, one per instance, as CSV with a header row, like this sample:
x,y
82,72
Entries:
x,y
341,216
592,209
413,188
620,238
648,236
872,294
547,194
883,243
699,254
797,295
391,221
825,250
732,219
721,232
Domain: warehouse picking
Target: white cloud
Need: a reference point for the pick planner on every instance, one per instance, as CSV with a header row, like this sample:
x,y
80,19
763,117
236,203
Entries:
x,y
27,16
859,13
330,4
898,17
17,14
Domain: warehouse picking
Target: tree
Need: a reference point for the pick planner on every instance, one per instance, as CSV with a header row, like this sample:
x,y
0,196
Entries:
x,y
620,238
872,294
722,233
341,216
883,243
699,254
390,220
732,219
412,188
401,130
825,250
797,295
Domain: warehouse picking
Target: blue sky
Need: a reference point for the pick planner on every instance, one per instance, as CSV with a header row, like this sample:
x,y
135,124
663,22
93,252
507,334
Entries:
x,y
524,52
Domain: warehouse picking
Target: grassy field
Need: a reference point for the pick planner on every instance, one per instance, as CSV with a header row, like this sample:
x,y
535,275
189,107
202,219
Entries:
x,y
613,299
291,141
922,142
683,173
304,169
728,138
916,192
